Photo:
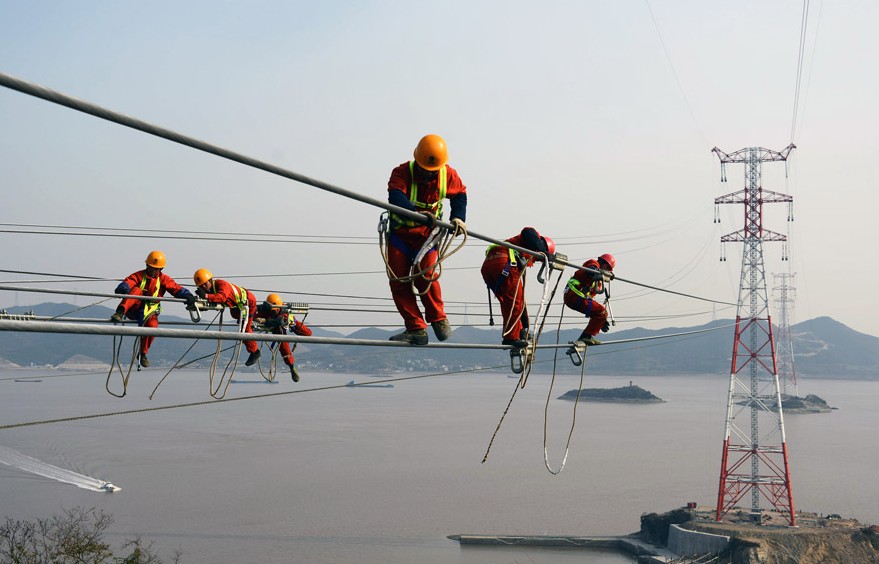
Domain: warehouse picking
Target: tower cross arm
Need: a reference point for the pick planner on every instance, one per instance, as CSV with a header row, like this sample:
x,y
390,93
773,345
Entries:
x,y
733,198
770,197
744,155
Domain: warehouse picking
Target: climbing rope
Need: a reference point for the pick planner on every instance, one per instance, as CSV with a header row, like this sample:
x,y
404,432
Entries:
x,y
543,309
178,365
528,362
233,361
114,363
546,407
440,239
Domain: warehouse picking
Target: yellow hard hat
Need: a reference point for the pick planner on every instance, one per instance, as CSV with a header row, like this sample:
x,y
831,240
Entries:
x,y
202,275
156,259
275,300
431,152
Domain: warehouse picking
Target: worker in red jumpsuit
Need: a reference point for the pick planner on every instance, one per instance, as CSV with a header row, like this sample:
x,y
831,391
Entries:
x,y
272,317
420,185
580,294
239,301
503,272
150,281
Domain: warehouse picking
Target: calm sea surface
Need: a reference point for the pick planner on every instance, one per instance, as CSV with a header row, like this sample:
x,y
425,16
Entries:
x,y
373,475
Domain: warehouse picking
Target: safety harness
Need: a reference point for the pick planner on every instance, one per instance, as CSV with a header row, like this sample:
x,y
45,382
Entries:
x,y
151,308
435,208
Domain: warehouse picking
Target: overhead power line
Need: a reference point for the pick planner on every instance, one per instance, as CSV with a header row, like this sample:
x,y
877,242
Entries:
x,y
170,135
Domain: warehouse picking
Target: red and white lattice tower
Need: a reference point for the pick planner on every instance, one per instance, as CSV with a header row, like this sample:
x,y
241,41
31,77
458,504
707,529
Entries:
x,y
785,295
754,448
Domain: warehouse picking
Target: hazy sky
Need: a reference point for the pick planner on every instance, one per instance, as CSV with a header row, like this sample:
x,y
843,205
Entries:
x,y
591,121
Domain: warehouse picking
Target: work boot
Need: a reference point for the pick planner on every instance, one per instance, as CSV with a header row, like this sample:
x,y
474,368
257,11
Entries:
x,y
515,343
116,318
144,361
413,337
293,373
442,329
251,360
586,341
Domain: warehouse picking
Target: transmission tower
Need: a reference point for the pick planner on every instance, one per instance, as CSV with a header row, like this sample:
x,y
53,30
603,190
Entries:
x,y
754,401
785,294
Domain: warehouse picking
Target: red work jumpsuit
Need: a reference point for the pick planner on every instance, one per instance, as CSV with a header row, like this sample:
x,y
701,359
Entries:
x,y
502,272
237,299
147,313
579,293
406,238
270,314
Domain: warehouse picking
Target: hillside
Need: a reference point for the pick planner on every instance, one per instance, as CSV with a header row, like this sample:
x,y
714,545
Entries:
x,y
823,348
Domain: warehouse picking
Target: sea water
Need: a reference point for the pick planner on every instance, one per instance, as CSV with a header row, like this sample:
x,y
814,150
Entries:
x,y
286,473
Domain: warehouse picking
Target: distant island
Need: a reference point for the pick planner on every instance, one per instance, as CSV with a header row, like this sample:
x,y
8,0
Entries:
x,y
624,394
795,404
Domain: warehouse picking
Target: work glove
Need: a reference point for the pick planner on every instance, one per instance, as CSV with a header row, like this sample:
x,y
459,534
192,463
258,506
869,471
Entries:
x,y
458,226
201,293
273,322
606,327
190,300
606,275
122,288
431,219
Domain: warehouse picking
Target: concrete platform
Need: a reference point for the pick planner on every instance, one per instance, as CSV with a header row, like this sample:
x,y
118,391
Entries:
x,y
645,551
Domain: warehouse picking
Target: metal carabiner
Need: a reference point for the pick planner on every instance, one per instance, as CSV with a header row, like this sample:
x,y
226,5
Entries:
x,y
576,353
517,365
383,221
544,263
194,313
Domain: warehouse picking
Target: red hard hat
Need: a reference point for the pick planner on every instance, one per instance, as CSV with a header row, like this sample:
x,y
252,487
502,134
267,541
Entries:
x,y
550,245
608,260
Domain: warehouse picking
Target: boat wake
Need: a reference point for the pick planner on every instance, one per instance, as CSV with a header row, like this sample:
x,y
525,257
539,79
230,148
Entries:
x,y
30,464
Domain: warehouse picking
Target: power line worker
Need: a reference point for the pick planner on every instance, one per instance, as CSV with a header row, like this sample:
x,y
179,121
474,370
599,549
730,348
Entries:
x,y
239,301
503,272
580,294
274,318
420,185
150,281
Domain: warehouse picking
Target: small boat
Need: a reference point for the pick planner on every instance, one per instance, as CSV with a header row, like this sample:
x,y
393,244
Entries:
x,y
353,384
109,488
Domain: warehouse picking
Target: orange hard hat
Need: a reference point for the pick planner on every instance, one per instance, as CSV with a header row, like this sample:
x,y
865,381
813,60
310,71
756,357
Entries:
x,y
201,276
156,259
275,300
431,152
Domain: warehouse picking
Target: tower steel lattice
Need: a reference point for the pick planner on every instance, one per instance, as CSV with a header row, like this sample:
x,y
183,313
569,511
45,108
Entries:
x,y
785,296
755,457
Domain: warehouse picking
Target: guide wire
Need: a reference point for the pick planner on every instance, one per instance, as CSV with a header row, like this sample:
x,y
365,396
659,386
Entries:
x,y
242,398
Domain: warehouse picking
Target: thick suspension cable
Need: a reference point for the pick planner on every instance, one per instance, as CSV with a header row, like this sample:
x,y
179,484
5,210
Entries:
x,y
59,98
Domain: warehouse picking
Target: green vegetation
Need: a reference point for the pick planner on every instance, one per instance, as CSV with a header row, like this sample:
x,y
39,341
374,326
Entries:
x,y
76,536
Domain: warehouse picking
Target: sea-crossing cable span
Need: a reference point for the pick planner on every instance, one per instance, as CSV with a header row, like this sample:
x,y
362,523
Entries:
x,y
56,97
